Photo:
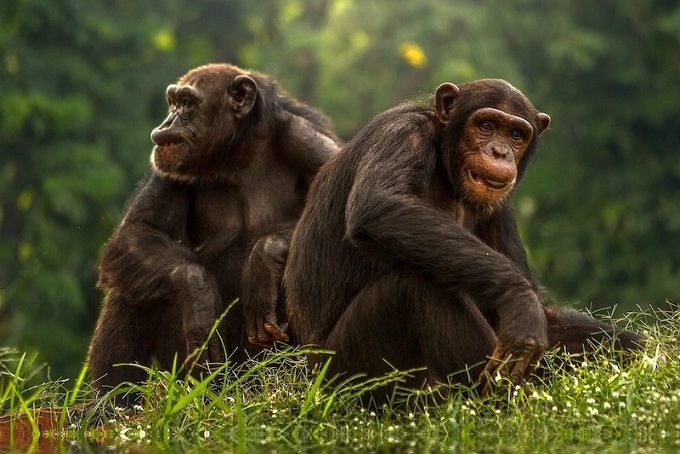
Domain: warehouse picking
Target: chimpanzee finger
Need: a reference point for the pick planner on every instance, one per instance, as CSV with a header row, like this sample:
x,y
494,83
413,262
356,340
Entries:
x,y
260,336
215,350
494,368
253,337
277,332
533,365
196,356
273,328
519,370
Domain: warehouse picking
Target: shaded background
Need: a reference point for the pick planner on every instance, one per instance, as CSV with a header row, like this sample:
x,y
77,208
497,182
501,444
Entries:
x,y
82,84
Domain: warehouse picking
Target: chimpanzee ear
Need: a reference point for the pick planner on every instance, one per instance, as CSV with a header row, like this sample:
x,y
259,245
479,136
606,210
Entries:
x,y
542,122
243,93
443,101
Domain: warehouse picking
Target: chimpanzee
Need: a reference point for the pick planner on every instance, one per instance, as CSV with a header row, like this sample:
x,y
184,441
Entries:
x,y
407,253
231,166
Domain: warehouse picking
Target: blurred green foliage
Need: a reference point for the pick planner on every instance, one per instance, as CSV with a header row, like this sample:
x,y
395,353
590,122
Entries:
x,y
82,83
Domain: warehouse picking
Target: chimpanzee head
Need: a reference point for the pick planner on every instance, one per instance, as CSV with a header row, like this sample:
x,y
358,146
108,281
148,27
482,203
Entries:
x,y
208,110
490,131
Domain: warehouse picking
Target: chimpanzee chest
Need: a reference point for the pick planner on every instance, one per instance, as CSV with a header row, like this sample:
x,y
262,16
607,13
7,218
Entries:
x,y
222,218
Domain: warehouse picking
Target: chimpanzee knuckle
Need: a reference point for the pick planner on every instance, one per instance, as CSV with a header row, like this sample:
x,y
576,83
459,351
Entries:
x,y
273,247
516,377
216,352
526,346
190,274
197,333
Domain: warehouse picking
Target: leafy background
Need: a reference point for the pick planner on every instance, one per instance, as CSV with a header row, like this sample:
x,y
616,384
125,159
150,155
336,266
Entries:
x,y
82,83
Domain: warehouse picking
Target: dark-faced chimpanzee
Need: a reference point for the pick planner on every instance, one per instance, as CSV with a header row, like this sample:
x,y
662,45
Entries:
x,y
407,253
231,166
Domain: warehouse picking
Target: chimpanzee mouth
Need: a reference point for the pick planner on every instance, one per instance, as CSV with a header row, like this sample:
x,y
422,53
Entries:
x,y
170,147
170,144
489,182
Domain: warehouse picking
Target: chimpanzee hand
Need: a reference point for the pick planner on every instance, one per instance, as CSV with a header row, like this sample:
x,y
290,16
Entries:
x,y
260,289
263,328
522,340
200,301
513,362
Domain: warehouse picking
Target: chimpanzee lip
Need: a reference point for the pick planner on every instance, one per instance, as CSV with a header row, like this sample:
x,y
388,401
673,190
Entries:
x,y
169,144
488,182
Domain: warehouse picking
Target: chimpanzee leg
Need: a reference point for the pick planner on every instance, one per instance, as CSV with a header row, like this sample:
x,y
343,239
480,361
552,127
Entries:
x,y
402,320
134,334
575,332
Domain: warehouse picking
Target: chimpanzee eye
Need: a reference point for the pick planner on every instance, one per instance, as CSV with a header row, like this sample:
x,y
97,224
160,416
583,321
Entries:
x,y
486,126
516,134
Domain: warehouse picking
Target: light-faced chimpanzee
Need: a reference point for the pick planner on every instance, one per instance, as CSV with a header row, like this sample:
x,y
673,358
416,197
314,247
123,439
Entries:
x,y
407,253
231,166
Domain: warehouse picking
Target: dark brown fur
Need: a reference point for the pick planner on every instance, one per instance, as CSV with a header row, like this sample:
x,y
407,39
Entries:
x,y
395,264
231,167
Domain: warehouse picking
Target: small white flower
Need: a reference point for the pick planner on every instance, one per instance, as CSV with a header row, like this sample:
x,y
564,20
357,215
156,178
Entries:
x,y
206,433
123,434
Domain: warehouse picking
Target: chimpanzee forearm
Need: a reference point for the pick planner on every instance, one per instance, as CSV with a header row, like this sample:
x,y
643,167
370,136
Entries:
x,y
308,147
452,256
260,286
147,245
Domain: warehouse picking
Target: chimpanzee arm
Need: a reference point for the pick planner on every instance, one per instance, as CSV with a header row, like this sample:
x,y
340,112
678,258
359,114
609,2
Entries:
x,y
146,247
389,215
306,147
147,262
260,288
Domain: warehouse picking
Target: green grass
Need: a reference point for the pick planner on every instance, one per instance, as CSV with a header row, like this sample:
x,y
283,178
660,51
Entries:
x,y
606,403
